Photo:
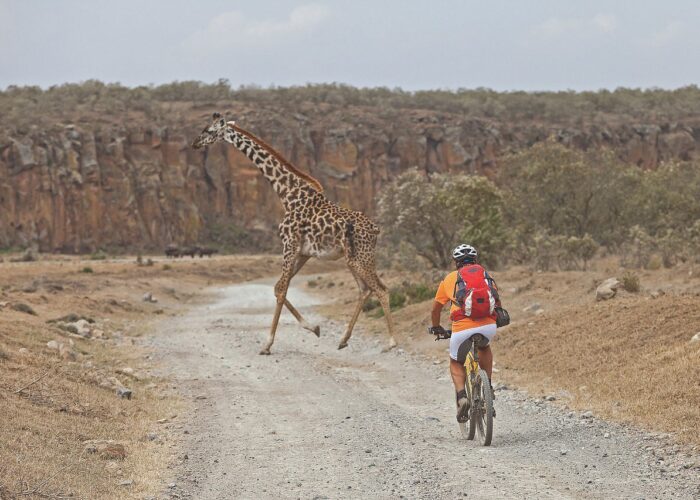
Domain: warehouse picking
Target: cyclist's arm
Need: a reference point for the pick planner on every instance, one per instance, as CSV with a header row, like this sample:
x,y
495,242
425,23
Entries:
x,y
435,315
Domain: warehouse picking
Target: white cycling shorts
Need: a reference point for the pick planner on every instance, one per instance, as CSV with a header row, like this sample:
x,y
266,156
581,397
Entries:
x,y
459,341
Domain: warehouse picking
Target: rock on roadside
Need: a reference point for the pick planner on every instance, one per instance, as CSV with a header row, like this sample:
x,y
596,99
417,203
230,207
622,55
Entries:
x,y
607,289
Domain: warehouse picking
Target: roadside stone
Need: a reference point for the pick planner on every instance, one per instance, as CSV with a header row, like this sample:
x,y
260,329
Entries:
x,y
152,436
533,308
83,328
148,297
606,435
695,339
124,392
4,304
550,398
52,344
68,327
126,482
23,350
587,414
607,289
22,307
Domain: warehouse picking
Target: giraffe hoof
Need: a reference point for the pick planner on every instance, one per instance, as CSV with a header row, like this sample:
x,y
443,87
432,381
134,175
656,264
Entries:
x,y
265,352
342,345
317,330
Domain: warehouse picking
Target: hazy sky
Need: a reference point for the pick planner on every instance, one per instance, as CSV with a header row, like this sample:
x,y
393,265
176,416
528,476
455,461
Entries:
x,y
516,44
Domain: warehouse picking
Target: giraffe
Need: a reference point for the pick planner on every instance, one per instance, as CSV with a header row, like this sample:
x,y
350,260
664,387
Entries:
x,y
312,226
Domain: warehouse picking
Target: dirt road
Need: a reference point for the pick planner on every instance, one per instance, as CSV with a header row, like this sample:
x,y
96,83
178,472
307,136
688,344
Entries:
x,y
314,422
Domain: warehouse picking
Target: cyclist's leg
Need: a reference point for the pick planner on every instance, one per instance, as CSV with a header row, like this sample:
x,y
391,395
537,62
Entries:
x,y
485,353
459,375
486,359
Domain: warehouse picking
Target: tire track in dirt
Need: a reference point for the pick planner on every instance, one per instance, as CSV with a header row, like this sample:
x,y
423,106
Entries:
x,y
313,422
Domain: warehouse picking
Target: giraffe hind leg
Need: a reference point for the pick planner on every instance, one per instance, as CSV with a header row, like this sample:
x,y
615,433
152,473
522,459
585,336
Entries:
x,y
366,275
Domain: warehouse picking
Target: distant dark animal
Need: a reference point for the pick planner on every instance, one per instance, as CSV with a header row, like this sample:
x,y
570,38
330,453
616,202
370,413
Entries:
x,y
172,251
207,251
191,251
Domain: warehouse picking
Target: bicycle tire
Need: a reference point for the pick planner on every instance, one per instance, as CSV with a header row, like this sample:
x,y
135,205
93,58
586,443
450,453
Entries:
x,y
482,418
467,432
472,419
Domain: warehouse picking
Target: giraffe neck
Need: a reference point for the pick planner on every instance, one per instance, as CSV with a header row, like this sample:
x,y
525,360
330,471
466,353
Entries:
x,y
281,174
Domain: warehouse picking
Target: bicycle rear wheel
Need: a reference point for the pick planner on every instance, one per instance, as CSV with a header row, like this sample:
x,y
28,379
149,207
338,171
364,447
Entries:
x,y
482,409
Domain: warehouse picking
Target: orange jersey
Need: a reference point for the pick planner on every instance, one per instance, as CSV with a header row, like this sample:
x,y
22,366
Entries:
x,y
445,294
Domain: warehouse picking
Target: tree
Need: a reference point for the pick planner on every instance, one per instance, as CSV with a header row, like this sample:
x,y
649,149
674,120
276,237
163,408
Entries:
x,y
432,214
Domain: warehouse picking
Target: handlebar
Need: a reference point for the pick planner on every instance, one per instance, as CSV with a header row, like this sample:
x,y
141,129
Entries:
x,y
439,336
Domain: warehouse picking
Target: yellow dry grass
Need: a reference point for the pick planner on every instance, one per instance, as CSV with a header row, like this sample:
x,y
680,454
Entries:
x,y
629,359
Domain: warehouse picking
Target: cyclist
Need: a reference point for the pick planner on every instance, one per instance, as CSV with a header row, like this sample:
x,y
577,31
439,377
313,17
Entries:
x,y
464,326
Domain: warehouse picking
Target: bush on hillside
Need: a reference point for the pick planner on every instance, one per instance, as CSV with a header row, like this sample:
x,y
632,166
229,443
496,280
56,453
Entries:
x,y
430,214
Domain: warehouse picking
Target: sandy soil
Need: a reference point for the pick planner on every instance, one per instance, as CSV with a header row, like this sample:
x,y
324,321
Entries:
x,y
313,422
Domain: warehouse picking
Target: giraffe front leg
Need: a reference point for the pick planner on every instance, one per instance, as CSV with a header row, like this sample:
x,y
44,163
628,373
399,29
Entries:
x,y
315,329
275,320
289,254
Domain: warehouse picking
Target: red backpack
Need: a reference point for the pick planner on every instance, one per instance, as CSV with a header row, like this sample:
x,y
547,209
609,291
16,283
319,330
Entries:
x,y
473,294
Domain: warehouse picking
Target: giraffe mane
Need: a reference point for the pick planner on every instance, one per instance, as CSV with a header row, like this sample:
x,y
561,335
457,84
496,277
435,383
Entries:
x,y
303,175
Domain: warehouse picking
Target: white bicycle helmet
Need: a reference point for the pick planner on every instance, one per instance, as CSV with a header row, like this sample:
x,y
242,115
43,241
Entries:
x,y
464,252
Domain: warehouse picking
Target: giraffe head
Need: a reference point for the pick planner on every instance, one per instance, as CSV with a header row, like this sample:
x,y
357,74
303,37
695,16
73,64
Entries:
x,y
214,132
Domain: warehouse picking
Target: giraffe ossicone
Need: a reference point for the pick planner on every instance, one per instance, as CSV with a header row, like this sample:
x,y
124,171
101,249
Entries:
x,y
312,226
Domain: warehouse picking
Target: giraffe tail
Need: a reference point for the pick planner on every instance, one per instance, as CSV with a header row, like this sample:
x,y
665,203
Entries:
x,y
350,237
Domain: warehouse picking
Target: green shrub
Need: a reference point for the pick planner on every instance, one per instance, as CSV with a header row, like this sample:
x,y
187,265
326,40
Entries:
x,y
86,269
630,282
397,299
419,292
430,215
167,267
370,304
98,256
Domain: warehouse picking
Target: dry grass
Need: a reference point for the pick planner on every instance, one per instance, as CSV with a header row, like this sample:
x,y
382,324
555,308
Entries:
x,y
43,428
628,359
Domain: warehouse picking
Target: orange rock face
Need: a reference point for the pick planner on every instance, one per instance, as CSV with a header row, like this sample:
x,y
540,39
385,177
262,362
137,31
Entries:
x,y
139,186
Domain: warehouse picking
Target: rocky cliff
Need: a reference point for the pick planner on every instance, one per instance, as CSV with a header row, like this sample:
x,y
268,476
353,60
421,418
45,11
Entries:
x,y
124,182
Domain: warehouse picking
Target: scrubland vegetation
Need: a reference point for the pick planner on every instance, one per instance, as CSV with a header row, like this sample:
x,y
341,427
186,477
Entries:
x,y
18,103
549,207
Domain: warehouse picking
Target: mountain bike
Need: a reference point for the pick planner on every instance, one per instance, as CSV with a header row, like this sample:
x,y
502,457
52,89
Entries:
x,y
481,412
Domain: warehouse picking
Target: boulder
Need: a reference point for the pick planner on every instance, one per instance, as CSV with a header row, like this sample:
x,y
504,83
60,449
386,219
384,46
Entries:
x,y
695,339
83,328
21,307
607,289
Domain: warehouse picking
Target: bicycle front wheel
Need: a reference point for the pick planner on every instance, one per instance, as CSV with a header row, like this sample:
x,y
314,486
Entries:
x,y
482,409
